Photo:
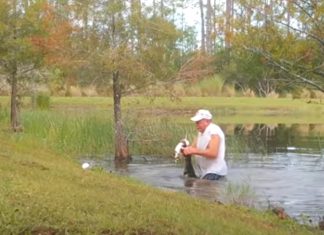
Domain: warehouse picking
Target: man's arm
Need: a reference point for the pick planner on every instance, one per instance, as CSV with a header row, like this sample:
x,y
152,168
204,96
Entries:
x,y
210,152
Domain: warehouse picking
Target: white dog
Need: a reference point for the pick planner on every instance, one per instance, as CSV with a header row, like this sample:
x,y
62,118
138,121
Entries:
x,y
189,170
178,149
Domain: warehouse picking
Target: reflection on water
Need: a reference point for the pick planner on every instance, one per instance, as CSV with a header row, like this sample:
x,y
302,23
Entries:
x,y
281,165
264,139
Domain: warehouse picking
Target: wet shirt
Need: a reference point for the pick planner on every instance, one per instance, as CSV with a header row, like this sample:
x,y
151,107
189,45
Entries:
x,y
215,165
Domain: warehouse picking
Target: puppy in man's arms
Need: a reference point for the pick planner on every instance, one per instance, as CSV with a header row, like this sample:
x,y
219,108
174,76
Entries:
x,y
188,170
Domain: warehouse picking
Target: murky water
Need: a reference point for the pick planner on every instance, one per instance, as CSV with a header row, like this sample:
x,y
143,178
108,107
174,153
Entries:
x,y
278,167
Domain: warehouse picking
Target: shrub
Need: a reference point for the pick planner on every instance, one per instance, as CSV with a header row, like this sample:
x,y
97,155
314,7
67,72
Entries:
x,y
43,101
193,91
273,94
211,86
248,93
229,91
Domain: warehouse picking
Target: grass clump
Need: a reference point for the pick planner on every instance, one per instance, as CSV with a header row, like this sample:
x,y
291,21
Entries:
x,y
211,86
88,134
43,101
240,194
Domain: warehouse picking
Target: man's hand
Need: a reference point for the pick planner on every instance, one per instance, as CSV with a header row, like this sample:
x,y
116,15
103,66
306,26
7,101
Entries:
x,y
189,150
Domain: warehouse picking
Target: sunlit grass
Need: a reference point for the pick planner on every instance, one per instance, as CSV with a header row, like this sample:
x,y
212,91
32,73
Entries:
x,y
93,133
42,190
225,109
79,134
240,194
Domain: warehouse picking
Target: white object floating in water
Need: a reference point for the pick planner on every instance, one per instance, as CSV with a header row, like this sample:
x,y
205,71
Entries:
x,y
85,165
291,148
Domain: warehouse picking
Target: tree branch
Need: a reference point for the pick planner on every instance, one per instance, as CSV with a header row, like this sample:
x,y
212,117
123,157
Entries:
x,y
285,69
317,38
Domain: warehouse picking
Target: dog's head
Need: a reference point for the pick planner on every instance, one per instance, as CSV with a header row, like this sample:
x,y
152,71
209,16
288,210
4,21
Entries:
x,y
178,149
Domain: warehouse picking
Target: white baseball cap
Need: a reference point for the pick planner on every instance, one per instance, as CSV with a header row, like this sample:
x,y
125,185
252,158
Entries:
x,y
201,114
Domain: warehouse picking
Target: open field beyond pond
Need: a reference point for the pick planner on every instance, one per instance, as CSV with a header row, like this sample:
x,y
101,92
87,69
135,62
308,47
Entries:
x,y
43,189
226,110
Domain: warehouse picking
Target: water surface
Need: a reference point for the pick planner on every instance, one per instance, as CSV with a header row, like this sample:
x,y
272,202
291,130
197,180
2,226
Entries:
x,y
275,165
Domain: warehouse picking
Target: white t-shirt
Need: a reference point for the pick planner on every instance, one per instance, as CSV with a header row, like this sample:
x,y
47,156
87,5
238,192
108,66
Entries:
x,y
215,165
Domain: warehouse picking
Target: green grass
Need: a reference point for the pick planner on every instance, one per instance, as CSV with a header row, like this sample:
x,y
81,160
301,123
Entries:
x,y
78,133
85,125
91,133
225,109
43,186
40,190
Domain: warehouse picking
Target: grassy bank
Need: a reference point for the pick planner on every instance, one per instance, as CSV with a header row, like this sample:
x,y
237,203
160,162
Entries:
x,y
41,191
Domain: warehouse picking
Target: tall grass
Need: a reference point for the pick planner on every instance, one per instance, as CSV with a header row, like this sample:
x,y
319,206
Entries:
x,y
88,134
4,114
211,86
93,134
239,194
43,101
155,136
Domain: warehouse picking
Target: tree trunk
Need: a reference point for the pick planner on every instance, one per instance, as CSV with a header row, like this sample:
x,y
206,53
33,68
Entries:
x,y
136,27
288,16
209,28
14,109
154,9
203,34
162,8
121,143
228,26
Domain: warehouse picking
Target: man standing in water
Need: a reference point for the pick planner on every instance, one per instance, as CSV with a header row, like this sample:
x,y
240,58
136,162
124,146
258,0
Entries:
x,y
208,148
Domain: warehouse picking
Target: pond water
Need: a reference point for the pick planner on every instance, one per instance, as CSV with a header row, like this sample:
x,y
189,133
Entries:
x,y
276,165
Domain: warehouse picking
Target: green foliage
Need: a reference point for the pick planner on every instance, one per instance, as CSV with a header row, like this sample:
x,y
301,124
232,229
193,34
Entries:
x,y
211,86
17,27
56,81
42,101
269,54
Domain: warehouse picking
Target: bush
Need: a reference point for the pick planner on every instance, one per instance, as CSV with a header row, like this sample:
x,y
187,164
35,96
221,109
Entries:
x,y
229,90
193,91
42,101
211,86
